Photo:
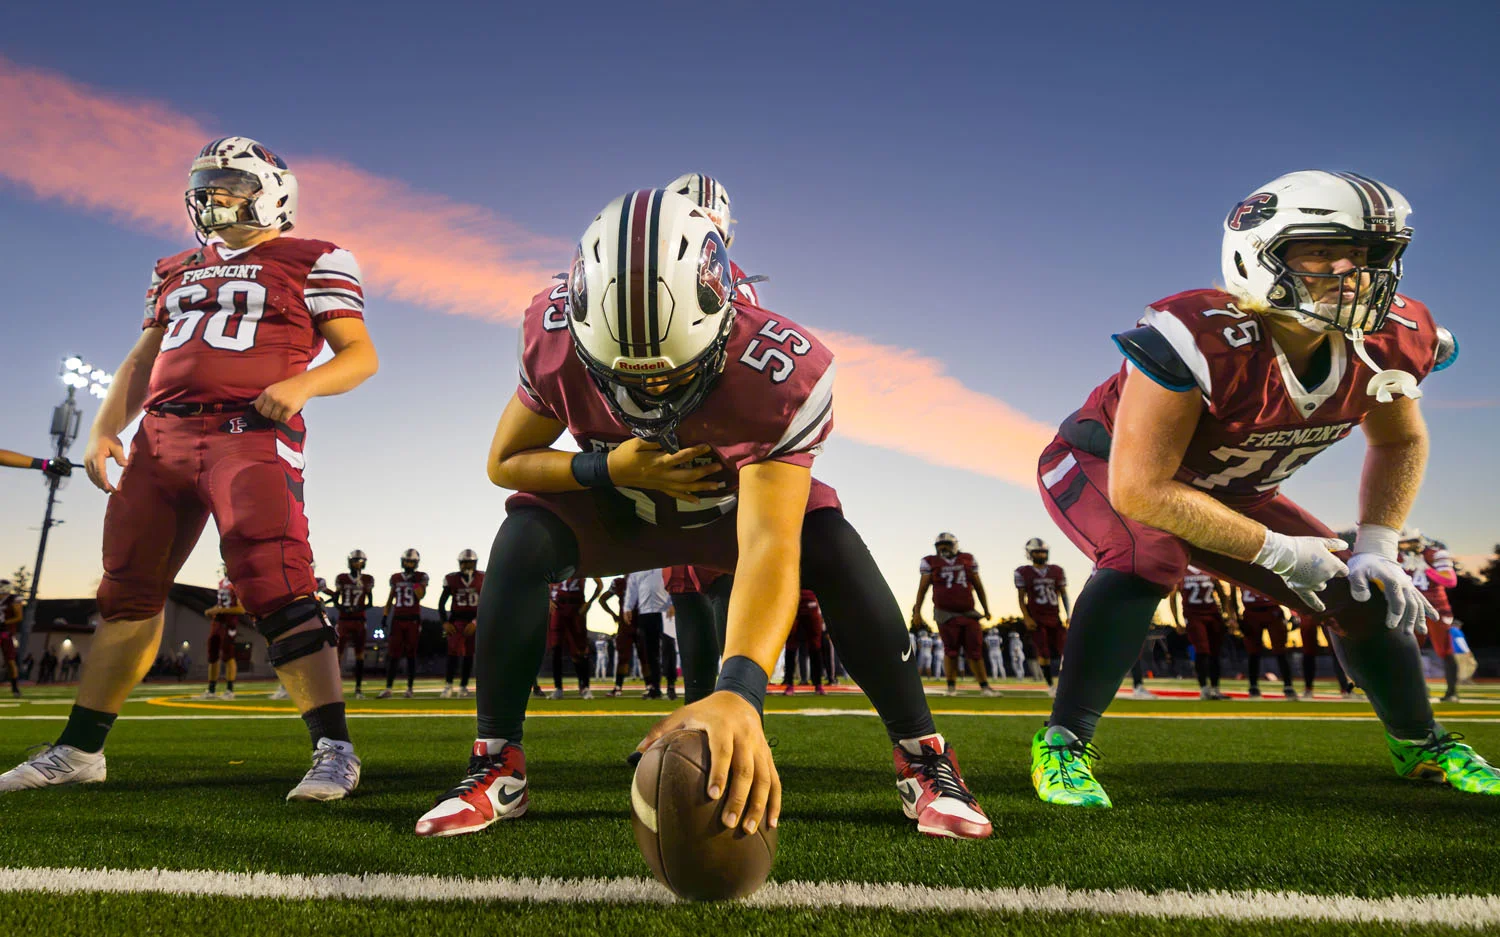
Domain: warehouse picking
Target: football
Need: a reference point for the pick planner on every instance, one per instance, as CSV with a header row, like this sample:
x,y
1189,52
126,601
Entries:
x,y
678,828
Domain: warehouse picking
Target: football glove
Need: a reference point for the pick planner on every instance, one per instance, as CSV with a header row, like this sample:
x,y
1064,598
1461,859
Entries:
x,y
1374,561
1305,564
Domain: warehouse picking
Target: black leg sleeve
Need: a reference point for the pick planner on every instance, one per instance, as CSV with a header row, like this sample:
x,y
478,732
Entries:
x,y
865,621
698,643
532,549
1110,622
648,628
1387,665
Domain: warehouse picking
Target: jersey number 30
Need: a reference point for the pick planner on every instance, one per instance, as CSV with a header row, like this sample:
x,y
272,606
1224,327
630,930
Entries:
x,y
236,309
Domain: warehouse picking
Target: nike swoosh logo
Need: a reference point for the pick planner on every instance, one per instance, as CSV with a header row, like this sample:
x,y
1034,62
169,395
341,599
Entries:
x,y
907,655
909,795
508,799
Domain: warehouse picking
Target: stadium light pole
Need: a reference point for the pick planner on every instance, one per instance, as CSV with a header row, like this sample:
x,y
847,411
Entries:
x,y
77,375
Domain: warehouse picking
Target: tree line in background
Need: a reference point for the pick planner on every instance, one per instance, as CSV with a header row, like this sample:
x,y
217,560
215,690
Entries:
x,y
1476,603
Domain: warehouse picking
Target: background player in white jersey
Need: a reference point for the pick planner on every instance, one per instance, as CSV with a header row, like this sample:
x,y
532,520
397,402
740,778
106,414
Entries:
x,y
1015,649
992,653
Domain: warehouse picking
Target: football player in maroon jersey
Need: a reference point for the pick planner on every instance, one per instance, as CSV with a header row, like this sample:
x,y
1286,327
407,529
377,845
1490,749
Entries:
x,y
699,417
402,621
806,637
353,594
225,618
1179,456
568,630
1264,619
1041,590
11,611
462,588
954,580
1431,569
1311,626
221,370
1207,612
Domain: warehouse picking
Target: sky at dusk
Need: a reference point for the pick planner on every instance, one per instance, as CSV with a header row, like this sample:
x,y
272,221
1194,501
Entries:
x,y
963,203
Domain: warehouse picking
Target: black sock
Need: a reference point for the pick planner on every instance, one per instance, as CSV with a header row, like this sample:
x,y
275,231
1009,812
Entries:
x,y
1110,621
86,729
865,621
1047,673
452,668
229,685
1450,674
390,672
411,672
213,685
1213,671
359,673
557,659
327,722
1200,664
1284,662
1252,664
468,665
1309,671
581,668
1137,674
532,548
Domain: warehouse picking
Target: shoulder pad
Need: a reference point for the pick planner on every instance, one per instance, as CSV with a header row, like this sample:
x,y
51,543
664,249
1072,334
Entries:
x,y
1447,349
1155,357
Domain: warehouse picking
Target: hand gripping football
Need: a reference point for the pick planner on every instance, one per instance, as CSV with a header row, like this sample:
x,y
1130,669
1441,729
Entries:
x,y
679,829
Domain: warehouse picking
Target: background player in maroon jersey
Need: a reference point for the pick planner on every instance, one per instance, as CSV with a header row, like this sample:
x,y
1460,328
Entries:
x,y
1178,457
806,638
402,621
1310,626
699,417
11,611
1042,592
1431,569
1264,619
1206,613
568,631
354,593
462,588
225,619
954,580
221,369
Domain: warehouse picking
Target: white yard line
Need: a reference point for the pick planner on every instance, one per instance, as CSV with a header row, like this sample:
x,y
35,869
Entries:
x,y
1469,911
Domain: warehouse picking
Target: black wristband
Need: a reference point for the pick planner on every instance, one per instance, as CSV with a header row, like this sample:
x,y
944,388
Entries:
x,y
744,678
39,464
591,470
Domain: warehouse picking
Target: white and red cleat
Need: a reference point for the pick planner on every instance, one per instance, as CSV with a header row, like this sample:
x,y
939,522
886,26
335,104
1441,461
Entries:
x,y
495,789
933,791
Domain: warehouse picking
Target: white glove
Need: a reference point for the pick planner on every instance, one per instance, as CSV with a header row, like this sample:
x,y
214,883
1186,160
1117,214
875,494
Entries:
x,y
1374,560
1305,564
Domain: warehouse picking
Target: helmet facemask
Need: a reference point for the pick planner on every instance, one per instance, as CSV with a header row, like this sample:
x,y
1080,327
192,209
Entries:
x,y
209,216
1374,282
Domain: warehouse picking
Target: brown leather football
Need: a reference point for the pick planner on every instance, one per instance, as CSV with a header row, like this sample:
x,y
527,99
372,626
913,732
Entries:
x,y
678,828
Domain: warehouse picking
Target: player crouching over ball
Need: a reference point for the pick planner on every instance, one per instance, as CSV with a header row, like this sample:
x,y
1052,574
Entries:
x,y
698,416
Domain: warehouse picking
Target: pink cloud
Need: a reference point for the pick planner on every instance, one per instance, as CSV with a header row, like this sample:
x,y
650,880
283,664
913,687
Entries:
x,y
125,158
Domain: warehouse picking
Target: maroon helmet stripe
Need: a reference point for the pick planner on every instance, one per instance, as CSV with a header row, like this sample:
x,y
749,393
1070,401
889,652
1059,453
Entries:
x,y
640,238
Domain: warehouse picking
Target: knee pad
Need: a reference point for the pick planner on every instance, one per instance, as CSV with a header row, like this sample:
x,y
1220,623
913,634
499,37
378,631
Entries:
x,y
283,650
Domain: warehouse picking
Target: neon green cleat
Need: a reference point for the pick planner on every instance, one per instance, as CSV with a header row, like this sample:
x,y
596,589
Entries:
x,y
1062,769
1444,759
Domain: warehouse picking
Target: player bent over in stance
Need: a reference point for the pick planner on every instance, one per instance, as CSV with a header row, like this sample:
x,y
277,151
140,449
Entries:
x,y
954,580
1177,459
699,417
459,627
221,370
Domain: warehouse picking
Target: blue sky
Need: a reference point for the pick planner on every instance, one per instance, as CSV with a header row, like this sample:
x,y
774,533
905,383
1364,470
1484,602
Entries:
x,y
996,189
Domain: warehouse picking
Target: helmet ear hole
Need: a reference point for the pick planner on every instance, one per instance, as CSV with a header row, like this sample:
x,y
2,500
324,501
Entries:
x,y
1239,264
682,249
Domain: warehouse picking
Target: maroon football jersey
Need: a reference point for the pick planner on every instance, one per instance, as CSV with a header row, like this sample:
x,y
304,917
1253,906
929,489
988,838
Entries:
x,y
1200,594
773,402
1260,606
404,602
1041,585
239,321
10,607
567,592
1259,424
465,592
809,618
349,594
1428,570
952,581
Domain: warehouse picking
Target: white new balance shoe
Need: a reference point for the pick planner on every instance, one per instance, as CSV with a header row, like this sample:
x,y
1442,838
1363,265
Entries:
x,y
1140,692
279,693
448,692
333,776
52,765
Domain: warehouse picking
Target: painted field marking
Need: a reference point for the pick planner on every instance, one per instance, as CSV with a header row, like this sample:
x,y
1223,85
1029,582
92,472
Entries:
x,y
1466,911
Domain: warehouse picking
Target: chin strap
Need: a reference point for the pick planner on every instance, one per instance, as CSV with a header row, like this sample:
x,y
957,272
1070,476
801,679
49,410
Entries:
x,y
1387,382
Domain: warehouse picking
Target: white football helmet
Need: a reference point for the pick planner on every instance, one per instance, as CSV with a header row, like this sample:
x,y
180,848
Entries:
x,y
650,308
243,168
1314,205
411,556
946,539
468,556
1037,545
710,196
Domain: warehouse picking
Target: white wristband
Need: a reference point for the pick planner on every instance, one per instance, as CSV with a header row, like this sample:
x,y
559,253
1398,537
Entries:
x,y
1373,538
